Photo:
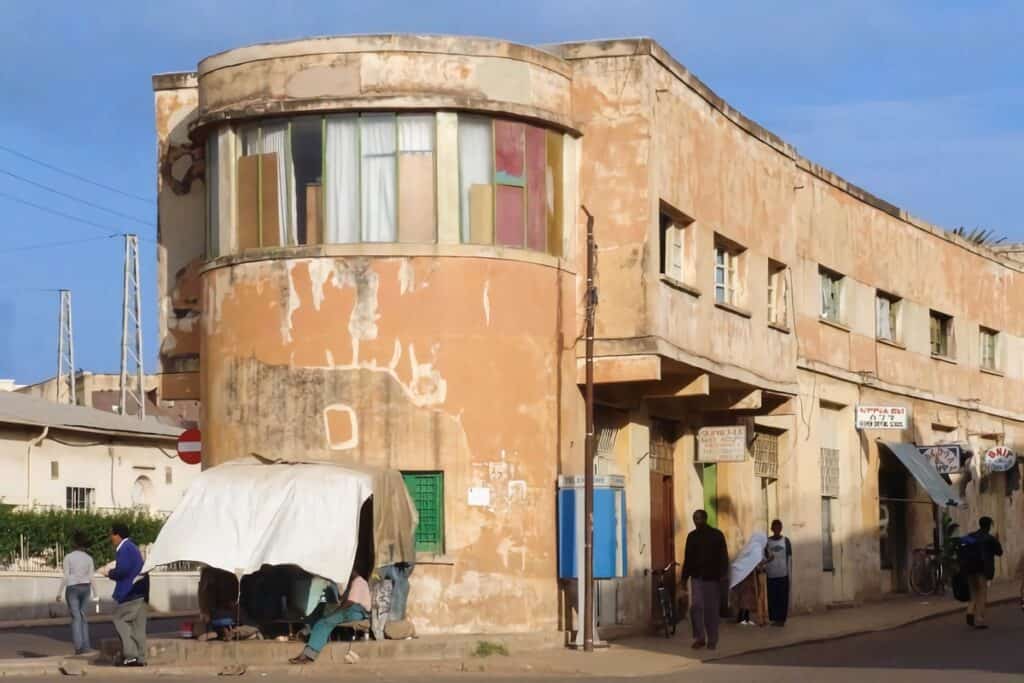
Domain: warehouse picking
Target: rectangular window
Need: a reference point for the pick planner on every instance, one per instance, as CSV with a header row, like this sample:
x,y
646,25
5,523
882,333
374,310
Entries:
x,y
341,179
887,314
427,492
378,179
417,212
778,310
831,295
536,189
509,183
727,256
671,243
54,470
989,341
827,555
307,145
266,203
79,498
553,186
941,334
476,157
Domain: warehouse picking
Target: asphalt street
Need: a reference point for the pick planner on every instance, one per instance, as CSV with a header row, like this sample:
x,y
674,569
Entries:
x,y
935,651
46,641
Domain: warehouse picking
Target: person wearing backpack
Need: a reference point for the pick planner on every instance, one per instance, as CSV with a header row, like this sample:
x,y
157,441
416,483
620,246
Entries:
x,y
978,553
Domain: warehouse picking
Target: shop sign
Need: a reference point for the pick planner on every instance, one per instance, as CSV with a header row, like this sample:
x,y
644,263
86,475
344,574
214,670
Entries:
x,y
722,444
1000,459
881,417
945,459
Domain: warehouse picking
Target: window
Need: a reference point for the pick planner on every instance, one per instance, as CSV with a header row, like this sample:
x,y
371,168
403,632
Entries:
x,y
941,334
989,341
509,184
308,156
831,295
427,492
765,450
778,311
54,470
212,195
727,257
887,312
79,498
266,206
671,234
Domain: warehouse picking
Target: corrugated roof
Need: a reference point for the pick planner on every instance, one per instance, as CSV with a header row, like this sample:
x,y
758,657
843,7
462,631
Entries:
x,y
29,410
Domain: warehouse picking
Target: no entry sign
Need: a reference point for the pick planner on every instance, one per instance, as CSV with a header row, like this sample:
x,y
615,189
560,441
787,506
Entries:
x,y
190,447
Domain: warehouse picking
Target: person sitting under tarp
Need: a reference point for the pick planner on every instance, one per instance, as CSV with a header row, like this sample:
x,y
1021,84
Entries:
x,y
353,606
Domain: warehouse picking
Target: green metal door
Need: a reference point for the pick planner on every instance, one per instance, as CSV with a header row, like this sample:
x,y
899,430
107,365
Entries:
x,y
709,479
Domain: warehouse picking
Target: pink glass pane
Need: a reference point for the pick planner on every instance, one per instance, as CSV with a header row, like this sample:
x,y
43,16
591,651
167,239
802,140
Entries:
x,y
508,152
509,214
536,189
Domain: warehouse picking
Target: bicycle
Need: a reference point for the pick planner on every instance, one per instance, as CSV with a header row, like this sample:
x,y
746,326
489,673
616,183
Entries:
x,y
668,610
926,574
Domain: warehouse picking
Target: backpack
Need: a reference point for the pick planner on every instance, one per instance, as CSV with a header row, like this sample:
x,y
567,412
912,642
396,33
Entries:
x,y
970,555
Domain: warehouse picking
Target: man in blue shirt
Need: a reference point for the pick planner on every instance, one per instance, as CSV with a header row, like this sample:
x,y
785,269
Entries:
x,y
131,593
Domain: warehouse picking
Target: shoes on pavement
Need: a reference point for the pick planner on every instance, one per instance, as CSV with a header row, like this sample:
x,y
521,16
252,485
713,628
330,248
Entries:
x,y
132,662
970,620
698,644
301,659
712,646
981,626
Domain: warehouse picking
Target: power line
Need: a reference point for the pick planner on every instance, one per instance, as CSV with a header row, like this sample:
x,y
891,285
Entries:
x,y
11,197
76,176
72,197
49,245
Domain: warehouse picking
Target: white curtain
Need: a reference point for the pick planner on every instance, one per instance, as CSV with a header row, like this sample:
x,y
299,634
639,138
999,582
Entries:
x,y
475,155
882,306
275,141
341,181
826,295
379,173
416,133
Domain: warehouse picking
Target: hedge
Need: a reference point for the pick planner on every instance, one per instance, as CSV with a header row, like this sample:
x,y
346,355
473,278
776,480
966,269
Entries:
x,y
44,529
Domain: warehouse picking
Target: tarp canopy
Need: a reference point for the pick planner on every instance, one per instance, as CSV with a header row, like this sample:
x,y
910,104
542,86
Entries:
x,y
925,473
252,512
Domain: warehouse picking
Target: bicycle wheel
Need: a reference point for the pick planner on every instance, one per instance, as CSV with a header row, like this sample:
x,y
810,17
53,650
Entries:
x,y
666,613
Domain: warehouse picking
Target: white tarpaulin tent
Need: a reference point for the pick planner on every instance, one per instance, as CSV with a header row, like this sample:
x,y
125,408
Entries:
x,y
251,512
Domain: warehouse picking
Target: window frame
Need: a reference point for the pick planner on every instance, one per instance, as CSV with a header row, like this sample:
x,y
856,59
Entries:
x,y
778,294
836,283
731,254
988,334
437,547
944,348
80,498
895,305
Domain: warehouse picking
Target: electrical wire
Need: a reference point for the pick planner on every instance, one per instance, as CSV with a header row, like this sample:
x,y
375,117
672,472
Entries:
x,y
63,243
76,176
13,198
86,202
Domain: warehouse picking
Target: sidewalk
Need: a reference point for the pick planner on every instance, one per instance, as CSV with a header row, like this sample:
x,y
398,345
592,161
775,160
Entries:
x,y
533,654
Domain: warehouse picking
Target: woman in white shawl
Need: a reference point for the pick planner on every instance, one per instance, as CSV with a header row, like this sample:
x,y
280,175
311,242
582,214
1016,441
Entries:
x,y
748,591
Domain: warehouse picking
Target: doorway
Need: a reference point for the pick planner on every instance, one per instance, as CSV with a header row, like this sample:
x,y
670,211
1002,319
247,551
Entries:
x,y
893,550
663,539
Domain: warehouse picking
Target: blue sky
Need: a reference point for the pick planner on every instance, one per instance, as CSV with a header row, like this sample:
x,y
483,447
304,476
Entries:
x,y
919,102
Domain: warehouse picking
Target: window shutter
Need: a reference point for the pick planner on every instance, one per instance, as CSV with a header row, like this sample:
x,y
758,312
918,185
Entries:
x,y
427,492
675,253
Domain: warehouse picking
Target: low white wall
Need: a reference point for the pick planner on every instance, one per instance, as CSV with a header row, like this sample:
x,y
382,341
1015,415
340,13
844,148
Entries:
x,y
30,595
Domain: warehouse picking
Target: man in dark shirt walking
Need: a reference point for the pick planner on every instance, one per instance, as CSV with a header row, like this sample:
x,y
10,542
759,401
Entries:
x,y
706,564
978,553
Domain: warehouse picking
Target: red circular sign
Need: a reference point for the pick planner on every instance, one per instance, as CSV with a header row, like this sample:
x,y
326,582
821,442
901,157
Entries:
x,y
190,447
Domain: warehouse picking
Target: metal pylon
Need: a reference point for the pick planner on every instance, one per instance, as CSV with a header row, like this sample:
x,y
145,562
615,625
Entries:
x,y
65,352
133,393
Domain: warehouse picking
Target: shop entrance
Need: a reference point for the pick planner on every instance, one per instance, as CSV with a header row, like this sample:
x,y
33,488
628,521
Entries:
x,y
893,550
663,538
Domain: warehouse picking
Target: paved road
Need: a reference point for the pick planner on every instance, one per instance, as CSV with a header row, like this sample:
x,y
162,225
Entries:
x,y
938,651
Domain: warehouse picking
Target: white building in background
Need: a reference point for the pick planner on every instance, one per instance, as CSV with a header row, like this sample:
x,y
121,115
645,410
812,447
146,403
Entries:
x,y
9,385
65,456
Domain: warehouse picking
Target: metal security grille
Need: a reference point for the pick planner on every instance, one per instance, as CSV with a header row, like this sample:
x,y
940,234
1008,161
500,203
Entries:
x,y
427,492
765,450
830,472
662,440
79,498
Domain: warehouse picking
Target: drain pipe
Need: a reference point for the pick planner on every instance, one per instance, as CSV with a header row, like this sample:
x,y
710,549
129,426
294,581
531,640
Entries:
x,y
28,464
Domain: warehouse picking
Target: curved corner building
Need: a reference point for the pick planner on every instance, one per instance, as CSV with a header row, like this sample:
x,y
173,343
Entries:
x,y
371,251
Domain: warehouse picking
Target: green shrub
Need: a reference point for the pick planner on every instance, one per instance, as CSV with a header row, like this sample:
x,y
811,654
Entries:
x,y
485,648
44,529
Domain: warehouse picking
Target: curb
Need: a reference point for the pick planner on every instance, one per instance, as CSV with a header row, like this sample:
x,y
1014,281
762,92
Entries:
x,y
92,619
853,634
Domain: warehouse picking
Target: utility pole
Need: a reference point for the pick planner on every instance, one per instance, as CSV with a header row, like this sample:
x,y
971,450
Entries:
x,y
66,352
131,332
588,473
